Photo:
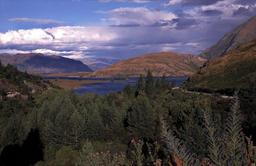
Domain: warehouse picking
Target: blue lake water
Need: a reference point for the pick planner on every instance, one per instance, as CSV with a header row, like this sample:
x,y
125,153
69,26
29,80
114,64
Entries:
x,y
110,86
117,85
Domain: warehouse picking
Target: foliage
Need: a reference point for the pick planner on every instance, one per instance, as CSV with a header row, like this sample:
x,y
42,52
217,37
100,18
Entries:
x,y
89,157
143,125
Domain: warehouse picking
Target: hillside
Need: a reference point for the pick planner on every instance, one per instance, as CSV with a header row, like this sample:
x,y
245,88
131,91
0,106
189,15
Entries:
x,y
164,63
15,84
41,64
237,69
242,34
99,63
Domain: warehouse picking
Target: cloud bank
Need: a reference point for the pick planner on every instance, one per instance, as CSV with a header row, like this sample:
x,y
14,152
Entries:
x,y
128,31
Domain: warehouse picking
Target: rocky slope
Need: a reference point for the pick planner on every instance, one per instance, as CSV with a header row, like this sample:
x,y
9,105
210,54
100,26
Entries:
x,y
236,69
164,63
16,84
41,64
241,34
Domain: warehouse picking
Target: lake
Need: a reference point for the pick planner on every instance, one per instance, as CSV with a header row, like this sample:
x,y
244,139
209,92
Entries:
x,y
106,85
110,86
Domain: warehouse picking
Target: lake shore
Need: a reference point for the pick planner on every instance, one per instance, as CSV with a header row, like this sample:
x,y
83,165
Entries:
x,y
71,84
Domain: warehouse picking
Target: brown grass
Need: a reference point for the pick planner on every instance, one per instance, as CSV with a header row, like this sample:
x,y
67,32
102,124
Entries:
x,y
73,84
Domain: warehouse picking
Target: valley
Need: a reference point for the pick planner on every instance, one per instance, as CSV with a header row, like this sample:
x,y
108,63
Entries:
x,y
128,83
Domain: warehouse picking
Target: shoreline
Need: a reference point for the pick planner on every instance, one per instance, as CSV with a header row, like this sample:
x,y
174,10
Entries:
x,y
71,84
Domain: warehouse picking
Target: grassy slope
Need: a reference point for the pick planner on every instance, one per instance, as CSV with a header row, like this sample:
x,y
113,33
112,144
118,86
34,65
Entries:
x,y
237,69
164,63
13,80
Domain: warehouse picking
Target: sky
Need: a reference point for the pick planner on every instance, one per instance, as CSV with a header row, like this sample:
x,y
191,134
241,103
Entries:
x,y
117,29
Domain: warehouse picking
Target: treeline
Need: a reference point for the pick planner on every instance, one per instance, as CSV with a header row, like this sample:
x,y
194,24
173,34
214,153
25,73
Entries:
x,y
12,74
149,124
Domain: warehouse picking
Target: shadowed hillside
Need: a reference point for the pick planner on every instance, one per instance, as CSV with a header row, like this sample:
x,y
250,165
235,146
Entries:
x,y
42,64
237,69
242,34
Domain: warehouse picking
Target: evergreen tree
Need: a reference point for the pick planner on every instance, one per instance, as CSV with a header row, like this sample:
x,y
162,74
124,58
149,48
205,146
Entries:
x,y
96,128
76,131
214,146
150,83
234,138
141,118
177,149
140,86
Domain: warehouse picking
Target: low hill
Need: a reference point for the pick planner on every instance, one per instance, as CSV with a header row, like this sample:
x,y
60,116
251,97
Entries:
x,y
16,84
237,69
164,63
42,64
240,35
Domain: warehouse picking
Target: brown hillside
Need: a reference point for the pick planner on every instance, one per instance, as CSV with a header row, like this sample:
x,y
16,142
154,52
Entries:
x,y
164,63
237,69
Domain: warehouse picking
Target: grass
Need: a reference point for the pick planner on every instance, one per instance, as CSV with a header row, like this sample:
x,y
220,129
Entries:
x,y
236,70
73,84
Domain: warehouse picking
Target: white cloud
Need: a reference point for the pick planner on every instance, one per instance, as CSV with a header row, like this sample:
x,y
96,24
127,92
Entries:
x,y
35,20
139,16
226,8
13,51
32,36
46,52
57,36
68,41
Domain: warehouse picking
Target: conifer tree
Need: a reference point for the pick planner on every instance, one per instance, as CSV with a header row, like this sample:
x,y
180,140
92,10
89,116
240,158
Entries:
x,y
214,146
177,148
76,132
140,86
150,89
141,118
234,138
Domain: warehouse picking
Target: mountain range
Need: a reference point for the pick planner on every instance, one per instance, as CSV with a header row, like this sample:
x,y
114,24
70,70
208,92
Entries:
x,y
231,53
42,64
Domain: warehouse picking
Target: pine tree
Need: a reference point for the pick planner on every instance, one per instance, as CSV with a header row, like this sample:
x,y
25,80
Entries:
x,y
234,138
140,86
95,125
214,146
141,118
177,148
76,129
150,89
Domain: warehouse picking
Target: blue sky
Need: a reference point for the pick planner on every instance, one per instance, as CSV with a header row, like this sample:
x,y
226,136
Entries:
x,y
117,29
70,12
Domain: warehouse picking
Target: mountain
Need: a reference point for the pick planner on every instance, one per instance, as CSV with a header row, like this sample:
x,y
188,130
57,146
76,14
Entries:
x,y
235,70
42,64
164,63
100,63
241,34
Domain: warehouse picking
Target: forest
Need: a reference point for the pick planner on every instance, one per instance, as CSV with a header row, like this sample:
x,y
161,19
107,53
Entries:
x,y
151,123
